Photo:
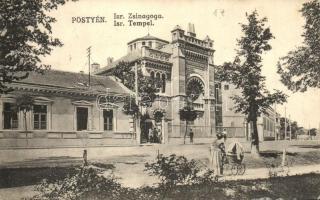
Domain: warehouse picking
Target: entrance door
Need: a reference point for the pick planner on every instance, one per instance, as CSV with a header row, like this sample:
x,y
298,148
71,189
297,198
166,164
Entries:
x,y
145,125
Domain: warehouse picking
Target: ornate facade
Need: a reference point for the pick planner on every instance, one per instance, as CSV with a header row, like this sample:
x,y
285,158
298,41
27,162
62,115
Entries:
x,y
183,64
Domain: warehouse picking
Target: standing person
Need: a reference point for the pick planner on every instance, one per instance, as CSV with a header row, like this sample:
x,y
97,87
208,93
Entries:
x,y
191,136
150,132
85,158
217,154
159,136
155,135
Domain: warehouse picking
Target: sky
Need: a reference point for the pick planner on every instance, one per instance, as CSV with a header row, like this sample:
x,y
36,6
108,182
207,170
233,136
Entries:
x,y
219,19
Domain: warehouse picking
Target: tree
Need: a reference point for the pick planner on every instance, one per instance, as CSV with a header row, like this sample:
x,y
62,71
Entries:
x,y
147,86
25,37
283,128
24,104
187,114
245,73
313,132
300,69
123,71
294,128
130,107
147,89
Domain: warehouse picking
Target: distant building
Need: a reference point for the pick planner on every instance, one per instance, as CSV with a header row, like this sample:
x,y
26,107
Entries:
x,y
236,124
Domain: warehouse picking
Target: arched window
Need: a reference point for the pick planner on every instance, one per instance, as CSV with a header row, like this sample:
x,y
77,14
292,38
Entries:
x,y
158,80
157,76
152,75
163,83
195,88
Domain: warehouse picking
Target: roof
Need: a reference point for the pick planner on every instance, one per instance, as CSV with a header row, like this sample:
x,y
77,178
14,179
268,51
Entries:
x,y
166,48
148,37
132,56
72,80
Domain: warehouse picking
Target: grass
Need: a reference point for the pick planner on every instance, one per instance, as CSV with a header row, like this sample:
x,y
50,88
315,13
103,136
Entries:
x,y
275,157
294,187
16,177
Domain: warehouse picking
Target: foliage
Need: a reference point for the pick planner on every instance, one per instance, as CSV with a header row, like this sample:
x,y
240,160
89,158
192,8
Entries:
x,y
130,107
300,68
25,37
294,127
313,132
290,187
147,86
158,116
188,114
245,73
176,170
87,184
24,103
123,71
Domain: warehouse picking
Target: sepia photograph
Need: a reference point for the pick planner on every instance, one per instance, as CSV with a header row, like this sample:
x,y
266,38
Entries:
x,y
159,99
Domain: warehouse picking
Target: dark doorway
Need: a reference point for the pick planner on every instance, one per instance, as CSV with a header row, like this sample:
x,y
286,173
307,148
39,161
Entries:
x,y
145,128
145,125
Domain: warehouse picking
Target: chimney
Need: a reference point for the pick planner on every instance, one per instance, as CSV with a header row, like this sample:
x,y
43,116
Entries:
x,y
95,67
191,30
109,60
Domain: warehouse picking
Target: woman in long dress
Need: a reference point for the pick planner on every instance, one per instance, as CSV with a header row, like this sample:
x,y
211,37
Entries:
x,y
217,154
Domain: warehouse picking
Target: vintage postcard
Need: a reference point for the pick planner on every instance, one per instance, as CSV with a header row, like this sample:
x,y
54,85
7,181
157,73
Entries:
x,y
178,99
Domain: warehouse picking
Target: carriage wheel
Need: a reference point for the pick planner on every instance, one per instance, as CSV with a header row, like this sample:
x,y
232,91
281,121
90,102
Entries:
x,y
234,170
241,169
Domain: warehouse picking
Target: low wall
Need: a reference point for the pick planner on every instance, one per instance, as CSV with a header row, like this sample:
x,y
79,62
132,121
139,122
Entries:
x,y
202,140
51,139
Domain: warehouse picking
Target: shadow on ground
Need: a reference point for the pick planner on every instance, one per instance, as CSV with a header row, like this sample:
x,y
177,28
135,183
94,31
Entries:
x,y
308,146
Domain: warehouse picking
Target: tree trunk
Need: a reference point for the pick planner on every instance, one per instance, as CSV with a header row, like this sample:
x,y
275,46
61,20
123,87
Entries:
x,y
138,129
255,140
25,121
25,125
185,133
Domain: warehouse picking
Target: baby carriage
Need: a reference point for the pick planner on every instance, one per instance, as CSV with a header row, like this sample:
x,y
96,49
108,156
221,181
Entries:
x,y
235,155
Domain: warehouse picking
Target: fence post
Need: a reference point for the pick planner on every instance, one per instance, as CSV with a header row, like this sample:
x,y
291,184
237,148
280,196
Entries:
x,y
283,158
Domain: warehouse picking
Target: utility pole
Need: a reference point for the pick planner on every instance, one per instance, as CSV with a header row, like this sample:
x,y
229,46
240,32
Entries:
x,y
138,131
275,123
285,122
290,130
89,54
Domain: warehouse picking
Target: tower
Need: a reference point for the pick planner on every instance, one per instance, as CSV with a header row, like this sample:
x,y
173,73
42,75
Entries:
x,y
192,67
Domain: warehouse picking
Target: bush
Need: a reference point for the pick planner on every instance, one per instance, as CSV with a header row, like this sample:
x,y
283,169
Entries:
x,y
177,170
87,184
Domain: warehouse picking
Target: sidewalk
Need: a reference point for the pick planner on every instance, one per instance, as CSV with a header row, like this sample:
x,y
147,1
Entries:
x,y
55,156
